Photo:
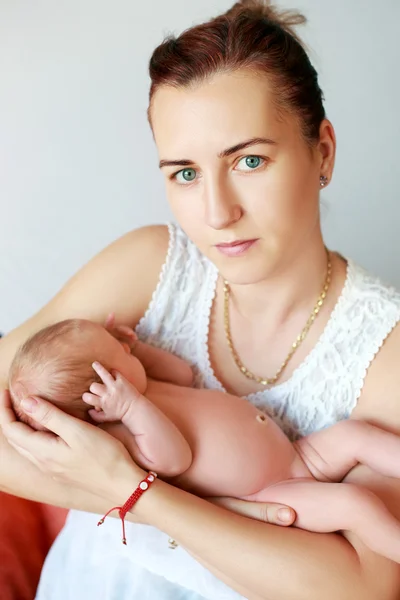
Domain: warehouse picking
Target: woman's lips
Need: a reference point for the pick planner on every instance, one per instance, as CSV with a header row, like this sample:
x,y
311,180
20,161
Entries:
x,y
235,248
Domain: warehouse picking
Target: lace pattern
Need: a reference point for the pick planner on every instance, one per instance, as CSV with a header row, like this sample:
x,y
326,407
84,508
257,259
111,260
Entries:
x,y
89,563
325,388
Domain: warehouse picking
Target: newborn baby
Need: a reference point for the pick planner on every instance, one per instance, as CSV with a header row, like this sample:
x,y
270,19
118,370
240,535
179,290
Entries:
x,y
209,442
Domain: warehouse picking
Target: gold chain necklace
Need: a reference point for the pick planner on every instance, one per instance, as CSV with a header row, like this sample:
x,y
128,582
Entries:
x,y
295,345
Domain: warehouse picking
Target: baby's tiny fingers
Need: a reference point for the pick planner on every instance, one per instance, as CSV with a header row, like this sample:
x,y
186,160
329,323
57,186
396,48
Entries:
x,y
109,321
120,378
97,388
103,373
98,417
91,399
125,384
127,331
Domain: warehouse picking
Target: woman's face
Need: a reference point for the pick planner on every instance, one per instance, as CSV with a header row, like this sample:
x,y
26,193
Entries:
x,y
266,194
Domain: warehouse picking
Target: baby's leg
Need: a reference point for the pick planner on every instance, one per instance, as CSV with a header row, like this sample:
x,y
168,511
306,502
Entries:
x,y
328,507
162,447
331,453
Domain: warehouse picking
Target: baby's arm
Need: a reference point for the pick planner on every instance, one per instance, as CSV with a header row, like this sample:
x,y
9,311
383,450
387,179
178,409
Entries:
x,y
162,365
329,507
331,453
156,443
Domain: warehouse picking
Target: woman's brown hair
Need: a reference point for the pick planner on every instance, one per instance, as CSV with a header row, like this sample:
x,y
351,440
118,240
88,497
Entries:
x,y
252,35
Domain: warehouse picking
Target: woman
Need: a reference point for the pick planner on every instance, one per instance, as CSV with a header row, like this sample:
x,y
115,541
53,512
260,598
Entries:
x,y
248,295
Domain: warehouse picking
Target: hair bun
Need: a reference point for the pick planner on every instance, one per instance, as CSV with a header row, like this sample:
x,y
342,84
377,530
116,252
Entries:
x,y
263,8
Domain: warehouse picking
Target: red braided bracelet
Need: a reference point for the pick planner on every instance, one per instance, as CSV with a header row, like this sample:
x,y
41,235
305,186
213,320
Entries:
x,y
141,488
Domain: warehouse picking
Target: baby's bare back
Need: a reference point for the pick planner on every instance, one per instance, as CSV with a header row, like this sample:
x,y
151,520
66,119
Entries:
x,y
228,436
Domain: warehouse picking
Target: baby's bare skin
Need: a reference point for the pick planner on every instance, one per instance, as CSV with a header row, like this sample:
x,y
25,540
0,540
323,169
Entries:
x,y
209,442
216,444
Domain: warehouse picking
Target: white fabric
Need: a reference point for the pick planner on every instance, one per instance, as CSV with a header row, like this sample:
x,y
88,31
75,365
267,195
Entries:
x,y
90,563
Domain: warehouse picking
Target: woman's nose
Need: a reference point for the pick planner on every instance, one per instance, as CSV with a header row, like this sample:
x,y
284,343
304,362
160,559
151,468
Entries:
x,y
221,206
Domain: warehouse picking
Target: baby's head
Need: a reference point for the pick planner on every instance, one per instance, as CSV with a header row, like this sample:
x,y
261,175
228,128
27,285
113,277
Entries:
x,y
56,364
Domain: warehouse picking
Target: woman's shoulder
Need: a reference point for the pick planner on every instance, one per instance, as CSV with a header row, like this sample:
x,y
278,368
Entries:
x,y
380,399
371,290
150,238
120,279
127,273
377,315
124,273
371,309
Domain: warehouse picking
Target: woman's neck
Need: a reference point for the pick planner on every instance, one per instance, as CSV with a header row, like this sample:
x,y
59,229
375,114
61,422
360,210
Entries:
x,y
294,287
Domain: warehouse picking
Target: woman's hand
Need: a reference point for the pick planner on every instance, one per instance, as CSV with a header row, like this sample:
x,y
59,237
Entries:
x,y
123,333
72,451
86,457
276,514
158,363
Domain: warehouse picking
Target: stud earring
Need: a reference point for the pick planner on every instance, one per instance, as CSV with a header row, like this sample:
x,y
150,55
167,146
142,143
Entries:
x,y
323,181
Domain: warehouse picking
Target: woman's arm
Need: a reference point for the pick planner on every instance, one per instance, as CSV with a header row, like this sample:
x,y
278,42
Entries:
x,y
262,559
87,296
107,283
366,575
363,574
259,560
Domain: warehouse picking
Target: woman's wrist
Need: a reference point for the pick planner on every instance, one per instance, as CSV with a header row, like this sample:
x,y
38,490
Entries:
x,y
124,484
123,509
159,499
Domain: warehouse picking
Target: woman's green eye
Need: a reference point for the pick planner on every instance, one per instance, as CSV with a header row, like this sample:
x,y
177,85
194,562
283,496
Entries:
x,y
251,162
188,175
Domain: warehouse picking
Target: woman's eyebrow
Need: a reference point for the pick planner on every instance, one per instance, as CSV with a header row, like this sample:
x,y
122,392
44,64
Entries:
x,y
185,162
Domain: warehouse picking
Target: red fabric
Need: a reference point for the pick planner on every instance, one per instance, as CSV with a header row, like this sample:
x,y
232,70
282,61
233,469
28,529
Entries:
x,y
27,530
133,498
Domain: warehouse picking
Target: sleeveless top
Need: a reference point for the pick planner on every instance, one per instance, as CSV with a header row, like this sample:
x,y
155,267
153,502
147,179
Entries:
x,y
325,388
91,563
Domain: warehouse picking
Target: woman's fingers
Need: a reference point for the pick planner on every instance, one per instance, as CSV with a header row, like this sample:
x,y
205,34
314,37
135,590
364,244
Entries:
x,y
39,447
127,347
110,320
102,372
276,514
123,333
80,454
54,420
7,414
126,336
110,325
126,331
24,453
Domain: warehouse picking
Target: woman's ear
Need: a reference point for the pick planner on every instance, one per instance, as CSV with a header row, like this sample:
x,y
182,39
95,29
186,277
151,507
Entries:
x,y
327,148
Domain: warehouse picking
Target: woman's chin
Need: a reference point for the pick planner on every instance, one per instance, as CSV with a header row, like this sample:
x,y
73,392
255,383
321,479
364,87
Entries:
x,y
254,265
246,273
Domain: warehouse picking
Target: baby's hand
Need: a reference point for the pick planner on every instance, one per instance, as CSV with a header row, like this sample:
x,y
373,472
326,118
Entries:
x,y
111,399
122,333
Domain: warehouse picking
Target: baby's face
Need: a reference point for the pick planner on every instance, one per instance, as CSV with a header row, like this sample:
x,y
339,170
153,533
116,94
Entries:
x,y
118,355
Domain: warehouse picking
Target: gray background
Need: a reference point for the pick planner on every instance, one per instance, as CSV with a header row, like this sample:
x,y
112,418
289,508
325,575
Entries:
x,y
78,166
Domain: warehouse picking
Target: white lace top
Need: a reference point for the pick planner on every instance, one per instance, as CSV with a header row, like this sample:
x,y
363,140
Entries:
x,y
325,388
89,563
